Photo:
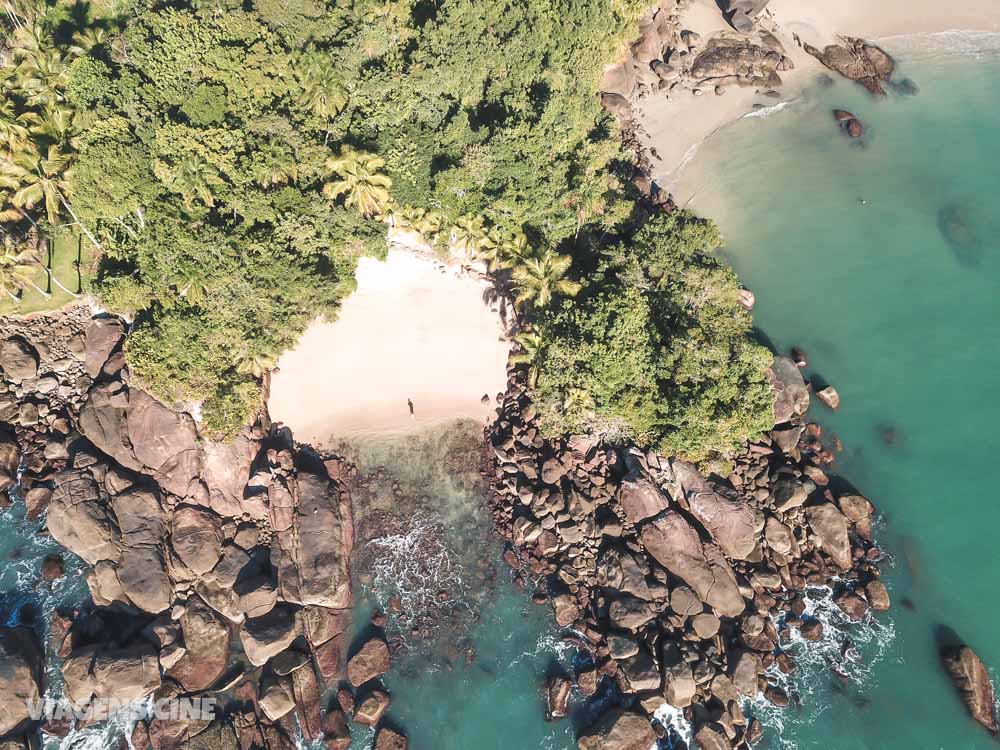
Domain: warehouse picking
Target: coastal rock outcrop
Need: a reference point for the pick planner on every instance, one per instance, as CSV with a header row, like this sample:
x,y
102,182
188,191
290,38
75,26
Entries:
x,y
973,683
193,549
619,730
859,61
20,678
678,583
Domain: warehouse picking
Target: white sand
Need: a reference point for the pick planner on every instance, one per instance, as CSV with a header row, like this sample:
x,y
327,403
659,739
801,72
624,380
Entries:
x,y
412,330
675,128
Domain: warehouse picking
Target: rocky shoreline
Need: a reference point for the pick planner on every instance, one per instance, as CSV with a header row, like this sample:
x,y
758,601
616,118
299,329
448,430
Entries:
x,y
684,589
216,570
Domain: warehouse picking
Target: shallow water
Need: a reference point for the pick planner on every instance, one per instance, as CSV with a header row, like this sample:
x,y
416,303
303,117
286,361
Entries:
x,y
896,301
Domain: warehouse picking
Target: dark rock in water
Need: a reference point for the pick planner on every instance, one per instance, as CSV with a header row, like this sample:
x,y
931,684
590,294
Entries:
x,y
799,357
970,678
842,115
20,677
53,568
557,690
889,434
857,60
904,87
388,739
957,228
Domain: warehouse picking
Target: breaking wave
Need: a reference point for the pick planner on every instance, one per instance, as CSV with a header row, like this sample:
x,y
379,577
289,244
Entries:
x,y
842,660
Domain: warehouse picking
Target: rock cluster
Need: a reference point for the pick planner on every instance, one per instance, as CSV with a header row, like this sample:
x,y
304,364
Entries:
x,y
859,61
668,59
214,568
677,581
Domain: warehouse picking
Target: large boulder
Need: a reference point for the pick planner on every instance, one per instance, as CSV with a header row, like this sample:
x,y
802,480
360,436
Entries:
x,y
973,684
196,536
831,527
267,636
640,498
675,544
312,554
142,434
124,675
206,643
20,678
79,519
389,739
226,471
140,517
729,522
619,729
143,577
18,359
791,395
857,60
371,661
102,337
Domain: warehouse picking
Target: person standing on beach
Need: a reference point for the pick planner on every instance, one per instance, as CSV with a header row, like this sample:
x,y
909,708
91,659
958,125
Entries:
x,y
409,403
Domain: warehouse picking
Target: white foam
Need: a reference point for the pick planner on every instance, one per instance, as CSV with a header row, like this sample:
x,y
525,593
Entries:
x,y
672,718
944,44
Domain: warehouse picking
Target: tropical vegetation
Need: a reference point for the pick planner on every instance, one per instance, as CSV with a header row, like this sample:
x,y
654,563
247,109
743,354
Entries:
x,y
230,161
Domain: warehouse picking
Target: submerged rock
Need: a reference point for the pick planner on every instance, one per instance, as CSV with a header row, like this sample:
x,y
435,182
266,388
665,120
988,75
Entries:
x,y
956,227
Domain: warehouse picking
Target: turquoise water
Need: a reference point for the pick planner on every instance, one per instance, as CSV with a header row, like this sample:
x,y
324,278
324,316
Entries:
x,y
897,303
473,678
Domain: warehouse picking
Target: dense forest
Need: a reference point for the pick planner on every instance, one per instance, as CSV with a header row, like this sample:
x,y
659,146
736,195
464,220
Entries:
x,y
229,162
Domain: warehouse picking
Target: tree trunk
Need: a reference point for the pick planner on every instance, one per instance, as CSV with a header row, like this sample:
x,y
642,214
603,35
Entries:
x,y
86,231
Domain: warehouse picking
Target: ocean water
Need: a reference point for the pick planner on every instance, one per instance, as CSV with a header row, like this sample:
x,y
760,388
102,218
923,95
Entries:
x,y
472,677
881,260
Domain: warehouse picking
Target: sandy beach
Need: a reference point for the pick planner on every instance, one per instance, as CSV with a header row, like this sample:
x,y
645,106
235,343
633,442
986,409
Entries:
x,y
412,332
675,127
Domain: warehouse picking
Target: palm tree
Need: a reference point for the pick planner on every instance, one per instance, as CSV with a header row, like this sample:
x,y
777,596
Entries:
x,y
55,123
43,75
15,133
531,344
193,178
41,180
492,249
427,224
469,233
191,281
539,278
17,264
322,89
278,165
86,39
361,182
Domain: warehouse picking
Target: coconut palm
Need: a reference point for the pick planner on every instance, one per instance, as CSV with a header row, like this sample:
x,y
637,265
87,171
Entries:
x,y
41,180
55,122
15,133
278,165
42,75
427,224
492,250
191,281
538,278
469,233
193,178
531,344
17,264
86,39
323,91
361,183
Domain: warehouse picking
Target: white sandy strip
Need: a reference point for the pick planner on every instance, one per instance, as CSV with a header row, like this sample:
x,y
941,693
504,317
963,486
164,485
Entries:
x,y
676,127
412,330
